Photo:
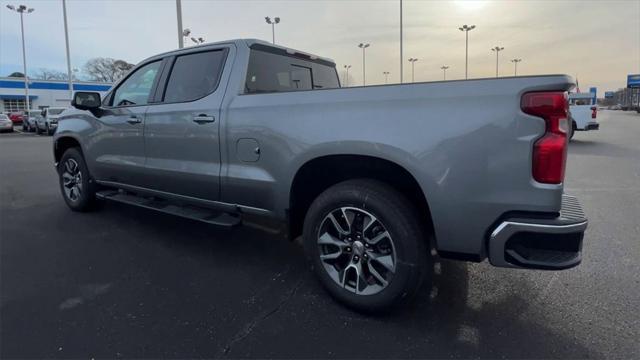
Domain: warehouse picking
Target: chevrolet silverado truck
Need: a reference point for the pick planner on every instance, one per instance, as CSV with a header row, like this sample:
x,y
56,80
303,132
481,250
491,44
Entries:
x,y
373,178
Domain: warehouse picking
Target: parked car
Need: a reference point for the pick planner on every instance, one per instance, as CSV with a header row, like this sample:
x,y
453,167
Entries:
x,y
244,131
16,117
30,125
48,121
582,114
5,123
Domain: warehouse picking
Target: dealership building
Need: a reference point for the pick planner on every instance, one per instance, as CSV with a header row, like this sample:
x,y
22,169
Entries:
x,y
42,93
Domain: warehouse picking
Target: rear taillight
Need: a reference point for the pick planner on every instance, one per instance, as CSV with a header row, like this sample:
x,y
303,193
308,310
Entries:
x,y
550,151
594,112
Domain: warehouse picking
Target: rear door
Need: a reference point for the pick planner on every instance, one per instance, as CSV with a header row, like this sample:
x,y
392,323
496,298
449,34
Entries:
x,y
182,126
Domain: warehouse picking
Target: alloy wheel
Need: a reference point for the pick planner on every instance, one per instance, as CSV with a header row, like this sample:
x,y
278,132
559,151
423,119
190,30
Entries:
x,y
72,180
356,250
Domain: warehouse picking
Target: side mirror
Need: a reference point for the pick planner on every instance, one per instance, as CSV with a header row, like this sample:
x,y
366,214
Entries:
x,y
86,100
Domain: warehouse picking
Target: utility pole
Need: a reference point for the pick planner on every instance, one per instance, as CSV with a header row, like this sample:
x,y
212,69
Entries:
x,y
466,29
444,71
276,20
413,63
363,47
497,49
179,15
21,9
66,40
515,66
386,77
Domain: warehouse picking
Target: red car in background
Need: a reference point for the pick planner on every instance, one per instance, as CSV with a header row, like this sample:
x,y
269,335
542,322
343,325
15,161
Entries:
x,y
16,118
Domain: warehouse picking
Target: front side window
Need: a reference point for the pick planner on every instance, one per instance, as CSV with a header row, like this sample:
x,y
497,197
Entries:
x,y
136,89
194,76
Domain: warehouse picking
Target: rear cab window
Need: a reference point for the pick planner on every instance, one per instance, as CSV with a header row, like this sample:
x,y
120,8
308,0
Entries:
x,y
274,70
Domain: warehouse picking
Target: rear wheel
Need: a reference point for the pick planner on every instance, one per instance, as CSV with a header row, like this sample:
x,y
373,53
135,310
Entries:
x,y
78,190
366,245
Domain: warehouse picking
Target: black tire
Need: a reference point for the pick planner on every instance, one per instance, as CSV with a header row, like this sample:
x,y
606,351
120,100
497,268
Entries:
x,y
397,216
86,198
572,130
38,131
48,130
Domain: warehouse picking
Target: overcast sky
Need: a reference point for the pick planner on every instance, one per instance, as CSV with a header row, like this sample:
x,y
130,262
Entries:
x,y
597,41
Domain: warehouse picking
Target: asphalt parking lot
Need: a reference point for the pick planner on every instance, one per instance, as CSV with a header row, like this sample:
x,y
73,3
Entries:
x,y
127,282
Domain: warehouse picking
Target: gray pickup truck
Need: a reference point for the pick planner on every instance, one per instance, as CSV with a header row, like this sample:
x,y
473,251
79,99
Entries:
x,y
373,178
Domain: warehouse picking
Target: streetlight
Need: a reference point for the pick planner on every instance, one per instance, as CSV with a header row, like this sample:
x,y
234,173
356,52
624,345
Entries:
x,y
466,29
386,76
497,49
346,76
444,71
273,23
363,47
185,34
413,63
21,9
515,65
197,40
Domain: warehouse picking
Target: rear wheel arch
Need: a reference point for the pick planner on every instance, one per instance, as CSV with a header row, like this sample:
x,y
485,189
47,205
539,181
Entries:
x,y
320,173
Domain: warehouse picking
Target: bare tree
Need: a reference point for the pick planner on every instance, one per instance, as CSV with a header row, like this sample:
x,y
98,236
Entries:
x,y
48,74
106,69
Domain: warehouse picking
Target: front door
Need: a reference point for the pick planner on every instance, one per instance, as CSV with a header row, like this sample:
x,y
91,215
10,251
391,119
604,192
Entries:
x,y
182,130
117,148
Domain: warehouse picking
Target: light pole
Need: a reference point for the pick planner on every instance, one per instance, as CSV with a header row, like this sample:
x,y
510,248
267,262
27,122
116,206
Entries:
x,y
413,63
497,49
179,16
444,71
363,47
273,23
346,76
21,9
185,34
66,40
401,54
515,66
386,76
466,29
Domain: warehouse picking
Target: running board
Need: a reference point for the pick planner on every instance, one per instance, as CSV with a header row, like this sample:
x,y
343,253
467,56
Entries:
x,y
186,211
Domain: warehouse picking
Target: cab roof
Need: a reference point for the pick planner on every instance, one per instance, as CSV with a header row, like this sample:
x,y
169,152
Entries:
x,y
248,43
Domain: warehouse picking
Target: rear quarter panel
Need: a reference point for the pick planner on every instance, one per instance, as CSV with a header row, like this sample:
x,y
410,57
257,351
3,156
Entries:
x,y
466,143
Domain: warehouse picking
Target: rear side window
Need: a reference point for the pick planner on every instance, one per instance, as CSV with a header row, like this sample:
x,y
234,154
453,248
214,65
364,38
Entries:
x,y
268,72
194,76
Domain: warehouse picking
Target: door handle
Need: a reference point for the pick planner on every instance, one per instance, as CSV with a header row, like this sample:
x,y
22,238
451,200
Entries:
x,y
203,119
134,120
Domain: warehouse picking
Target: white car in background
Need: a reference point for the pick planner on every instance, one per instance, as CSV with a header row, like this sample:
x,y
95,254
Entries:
x,y
5,123
48,122
582,113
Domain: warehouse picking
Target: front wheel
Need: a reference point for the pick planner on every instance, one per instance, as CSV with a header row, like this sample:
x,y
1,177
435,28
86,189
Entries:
x,y
78,190
365,243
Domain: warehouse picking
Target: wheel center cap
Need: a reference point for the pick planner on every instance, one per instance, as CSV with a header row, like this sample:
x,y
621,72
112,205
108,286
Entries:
x,y
358,247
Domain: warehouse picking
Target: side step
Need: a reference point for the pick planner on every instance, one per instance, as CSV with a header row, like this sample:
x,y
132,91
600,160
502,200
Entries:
x,y
186,211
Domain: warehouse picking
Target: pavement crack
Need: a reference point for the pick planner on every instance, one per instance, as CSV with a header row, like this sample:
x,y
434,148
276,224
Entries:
x,y
247,329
